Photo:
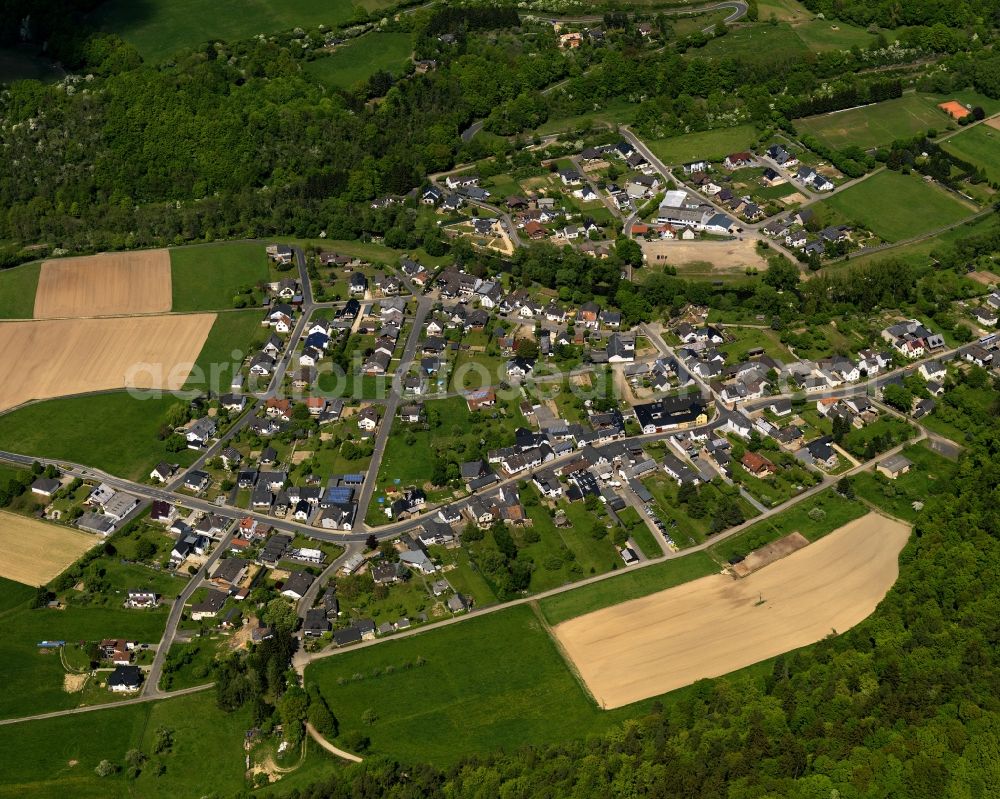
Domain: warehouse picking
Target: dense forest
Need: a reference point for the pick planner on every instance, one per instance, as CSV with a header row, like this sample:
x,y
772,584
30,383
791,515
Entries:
x,y
237,139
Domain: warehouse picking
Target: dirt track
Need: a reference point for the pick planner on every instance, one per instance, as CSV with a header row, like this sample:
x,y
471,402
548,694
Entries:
x,y
105,285
52,358
34,552
722,255
717,624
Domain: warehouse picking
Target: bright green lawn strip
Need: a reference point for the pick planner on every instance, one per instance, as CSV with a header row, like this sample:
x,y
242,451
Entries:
x,y
631,584
114,432
206,756
837,512
896,206
207,277
17,291
713,145
357,60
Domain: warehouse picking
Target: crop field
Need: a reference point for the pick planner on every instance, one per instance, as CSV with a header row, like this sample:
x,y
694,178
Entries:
x,y
875,125
357,60
916,207
161,29
236,332
33,552
57,757
101,285
979,146
206,278
623,587
115,432
709,145
717,624
84,355
18,286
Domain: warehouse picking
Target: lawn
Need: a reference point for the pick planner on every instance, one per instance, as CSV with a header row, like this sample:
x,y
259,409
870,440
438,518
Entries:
x,y
836,512
496,682
896,497
161,29
979,146
895,206
357,60
749,338
709,145
233,331
630,584
640,533
464,577
879,436
878,124
115,432
207,277
57,757
17,291
33,678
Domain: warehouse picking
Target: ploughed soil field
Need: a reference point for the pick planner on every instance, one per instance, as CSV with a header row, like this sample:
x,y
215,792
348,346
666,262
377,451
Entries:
x,y
718,624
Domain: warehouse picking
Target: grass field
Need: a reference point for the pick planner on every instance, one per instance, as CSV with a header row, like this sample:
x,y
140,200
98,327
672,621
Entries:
x,y
979,146
206,278
766,43
33,678
238,331
114,432
712,145
615,111
879,124
17,291
896,206
161,29
485,684
57,757
357,60
837,511
822,35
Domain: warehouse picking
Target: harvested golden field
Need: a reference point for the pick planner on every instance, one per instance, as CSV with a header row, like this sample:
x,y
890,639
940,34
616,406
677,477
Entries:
x,y
34,552
105,285
717,624
56,357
